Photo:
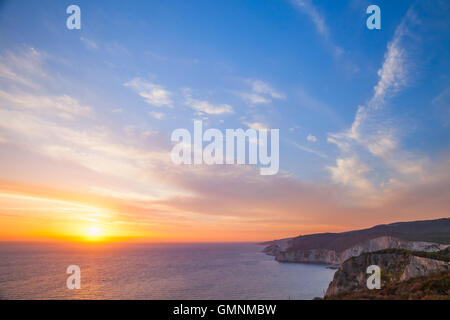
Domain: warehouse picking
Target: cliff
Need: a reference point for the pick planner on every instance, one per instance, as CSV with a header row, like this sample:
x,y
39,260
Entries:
x,y
396,266
433,287
335,248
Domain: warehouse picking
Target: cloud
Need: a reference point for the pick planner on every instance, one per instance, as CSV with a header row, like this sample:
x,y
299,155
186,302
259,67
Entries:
x,y
90,44
319,21
239,193
257,125
253,98
374,137
139,186
309,150
261,87
204,106
35,121
261,93
153,195
62,106
22,66
441,103
311,138
157,115
393,73
95,147
25,67
382,146
351,172
309,9
230,203
392,77
152,93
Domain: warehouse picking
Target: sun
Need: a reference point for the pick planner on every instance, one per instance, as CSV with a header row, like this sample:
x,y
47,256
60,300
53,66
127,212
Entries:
x,y
94,232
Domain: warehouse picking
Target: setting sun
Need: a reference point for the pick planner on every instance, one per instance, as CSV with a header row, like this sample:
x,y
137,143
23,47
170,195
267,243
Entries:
x,y
94,232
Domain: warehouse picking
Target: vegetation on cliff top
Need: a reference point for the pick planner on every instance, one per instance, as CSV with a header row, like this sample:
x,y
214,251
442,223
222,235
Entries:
x,y
443,255
432,287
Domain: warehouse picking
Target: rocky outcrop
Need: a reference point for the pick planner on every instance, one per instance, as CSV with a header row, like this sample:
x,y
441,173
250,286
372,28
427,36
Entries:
x,y
396,266
333,257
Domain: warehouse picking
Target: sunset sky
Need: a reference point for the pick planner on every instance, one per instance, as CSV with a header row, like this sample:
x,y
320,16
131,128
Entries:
x,y
86,117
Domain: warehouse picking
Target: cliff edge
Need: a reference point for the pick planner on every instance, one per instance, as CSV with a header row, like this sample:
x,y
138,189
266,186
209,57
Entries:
x,y
397,265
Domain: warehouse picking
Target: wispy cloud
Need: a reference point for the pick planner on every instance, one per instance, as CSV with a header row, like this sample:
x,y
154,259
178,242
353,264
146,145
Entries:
x,y
253,98
309,150
261,87
309,9
95,147
63,106
90,44
152,93
319,21
441,103
207,107
375,135
157,115
23,75
393,73
60,126
260,93
22,66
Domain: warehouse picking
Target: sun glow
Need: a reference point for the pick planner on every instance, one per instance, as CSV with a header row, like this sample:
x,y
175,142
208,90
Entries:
x,y
94,233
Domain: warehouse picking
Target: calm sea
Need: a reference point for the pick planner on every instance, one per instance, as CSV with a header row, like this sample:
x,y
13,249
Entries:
x,y
170,271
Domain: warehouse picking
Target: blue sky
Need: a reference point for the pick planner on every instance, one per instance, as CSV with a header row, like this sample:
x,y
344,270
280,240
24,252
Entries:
x,y
142,69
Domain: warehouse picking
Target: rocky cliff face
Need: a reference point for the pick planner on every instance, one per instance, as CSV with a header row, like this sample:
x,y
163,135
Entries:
x,y
285,252
419,266
277,246
433,287
395,265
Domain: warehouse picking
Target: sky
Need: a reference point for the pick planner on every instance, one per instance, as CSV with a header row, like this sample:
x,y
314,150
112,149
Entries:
x,y
86,117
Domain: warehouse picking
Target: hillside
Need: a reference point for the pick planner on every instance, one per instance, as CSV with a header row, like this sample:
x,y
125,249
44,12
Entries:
x,y
335,248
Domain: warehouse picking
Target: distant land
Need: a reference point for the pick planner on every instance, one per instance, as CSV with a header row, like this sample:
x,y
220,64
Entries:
x,y
335,248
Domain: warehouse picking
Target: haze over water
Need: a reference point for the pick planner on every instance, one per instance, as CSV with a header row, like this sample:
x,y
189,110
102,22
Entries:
x,y
155,271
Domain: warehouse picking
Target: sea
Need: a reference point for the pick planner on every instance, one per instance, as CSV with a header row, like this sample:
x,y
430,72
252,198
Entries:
x,y
214,271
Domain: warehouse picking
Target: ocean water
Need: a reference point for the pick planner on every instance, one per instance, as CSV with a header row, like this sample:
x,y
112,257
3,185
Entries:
x,y
155,271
